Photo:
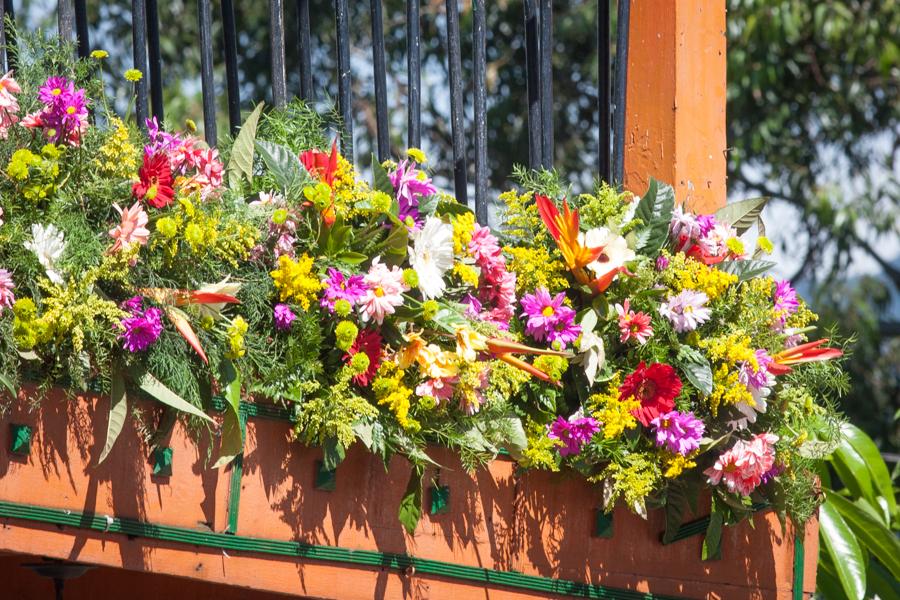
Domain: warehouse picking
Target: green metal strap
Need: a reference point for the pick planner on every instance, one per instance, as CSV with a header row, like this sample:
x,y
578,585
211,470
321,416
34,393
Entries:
x,y
257,410
369,558
237,473
698,527
799,560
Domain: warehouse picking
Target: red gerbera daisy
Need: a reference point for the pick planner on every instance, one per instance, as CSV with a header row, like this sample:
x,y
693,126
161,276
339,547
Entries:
x,y
155,185
369,342
655,386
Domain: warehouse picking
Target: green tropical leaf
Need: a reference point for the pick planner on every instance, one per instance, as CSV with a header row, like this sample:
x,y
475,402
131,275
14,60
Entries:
x,y
232,441
745,269
742,214
695,367
516,440
881,583
381,181
868,451
241,160
712,542
411,505
284,165
846,555
154,387
854,473
451,207
676,505
333,454
118,411
655,211
871,532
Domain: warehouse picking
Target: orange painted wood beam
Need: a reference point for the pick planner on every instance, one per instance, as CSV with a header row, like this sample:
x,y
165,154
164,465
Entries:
x,y
675,107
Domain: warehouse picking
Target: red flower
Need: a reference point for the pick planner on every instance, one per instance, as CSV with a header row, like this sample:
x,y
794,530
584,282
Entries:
x,y
320,165
655,386
155,185
368,341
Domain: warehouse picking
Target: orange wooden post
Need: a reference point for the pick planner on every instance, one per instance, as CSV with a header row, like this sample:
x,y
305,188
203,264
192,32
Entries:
x,y
675,108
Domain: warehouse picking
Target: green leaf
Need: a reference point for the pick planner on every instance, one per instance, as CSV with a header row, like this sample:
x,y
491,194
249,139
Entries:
x,y
870,531
712,541
745,269
451,207
516,441
655,211
854,473
743,214
881,583
411,505
839,541
381,181
155,388
695,367
676,504
241,160
868,451
232,442
284,165
333,454
8,384
118,411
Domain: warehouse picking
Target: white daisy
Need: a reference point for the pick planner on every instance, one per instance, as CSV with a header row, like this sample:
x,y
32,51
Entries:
x,y
48,244
432,255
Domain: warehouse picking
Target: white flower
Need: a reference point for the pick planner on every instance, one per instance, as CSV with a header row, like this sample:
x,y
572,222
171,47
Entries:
x,y
432,255
214,310
268,199
592,354
615,250
48,244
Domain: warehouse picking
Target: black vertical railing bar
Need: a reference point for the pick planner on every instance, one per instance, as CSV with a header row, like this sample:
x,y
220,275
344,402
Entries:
x,y
229,30
81,28
65,13
414,75
533,82
9,36
379,71
306,84
603,89
619,91
342,25
546,46
276,41
156,84
456,103
479,35
207,82
139,51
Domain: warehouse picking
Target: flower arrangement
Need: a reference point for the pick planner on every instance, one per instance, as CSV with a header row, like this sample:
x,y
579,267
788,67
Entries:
x,y
622,338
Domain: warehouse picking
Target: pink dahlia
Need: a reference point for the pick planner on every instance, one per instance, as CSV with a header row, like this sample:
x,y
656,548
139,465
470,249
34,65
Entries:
x,y
686,310
633,324
7,298
384,291
132,229
744,465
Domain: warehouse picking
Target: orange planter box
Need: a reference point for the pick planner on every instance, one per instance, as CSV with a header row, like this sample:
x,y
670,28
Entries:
x,y
504,533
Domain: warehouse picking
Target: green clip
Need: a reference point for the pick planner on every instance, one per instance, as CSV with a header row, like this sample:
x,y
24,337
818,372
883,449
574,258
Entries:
x,y
440,499
20,439
603,523
162,462
325,478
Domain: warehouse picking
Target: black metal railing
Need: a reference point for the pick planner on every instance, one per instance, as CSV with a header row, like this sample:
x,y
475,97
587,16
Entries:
x,y
537,30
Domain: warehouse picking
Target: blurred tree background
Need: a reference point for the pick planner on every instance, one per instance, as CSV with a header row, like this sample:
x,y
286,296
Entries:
x,y
813,122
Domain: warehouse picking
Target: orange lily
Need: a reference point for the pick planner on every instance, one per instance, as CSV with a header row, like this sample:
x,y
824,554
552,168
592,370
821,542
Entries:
x,y
171,299
564,227
809,352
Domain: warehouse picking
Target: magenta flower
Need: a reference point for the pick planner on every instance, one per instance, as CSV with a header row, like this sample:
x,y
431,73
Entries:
x,y
7,298
784,300
283,317
757,378
160,140
340,287
64,116
686,310
548,318
573,432
679,432
142,328
53,88
662,263
410,184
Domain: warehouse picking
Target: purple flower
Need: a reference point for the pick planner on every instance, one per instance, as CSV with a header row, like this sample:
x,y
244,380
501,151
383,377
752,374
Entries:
x,y
53,88
573,432
785,300
133,305
340,287
760,377
662,263
771,474
473,306
548,318
283,317
683,228
686,310
160,140
706,223
7,298
410,186
679,432
141,329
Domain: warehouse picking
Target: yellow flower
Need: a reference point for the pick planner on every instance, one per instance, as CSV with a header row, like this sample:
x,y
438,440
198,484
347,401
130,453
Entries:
x,y
534,268
675,464
133,75
468,343
689,274
463,225
294,280
735,245
417,155
117,157
390,391
764,244
99,54
235,333
614,414
466,273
